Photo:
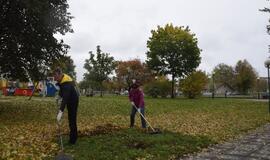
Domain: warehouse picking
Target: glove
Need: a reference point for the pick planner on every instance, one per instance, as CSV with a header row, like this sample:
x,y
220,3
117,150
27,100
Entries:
x,y
59,116
132,103
57,97
139,110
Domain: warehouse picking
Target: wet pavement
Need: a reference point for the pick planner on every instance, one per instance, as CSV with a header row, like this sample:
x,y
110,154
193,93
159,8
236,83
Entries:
x,y
253,146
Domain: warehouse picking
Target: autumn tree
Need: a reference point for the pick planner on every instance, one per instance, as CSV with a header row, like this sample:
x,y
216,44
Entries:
x,y
173,51
193,84
132,69
27,36
99,66
246,76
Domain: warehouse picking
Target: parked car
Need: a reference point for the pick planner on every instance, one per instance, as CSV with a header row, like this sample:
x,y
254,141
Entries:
x,y
264,95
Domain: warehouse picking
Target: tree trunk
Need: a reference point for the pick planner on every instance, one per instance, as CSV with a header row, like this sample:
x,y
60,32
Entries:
x,y
172,92
101,93
35,87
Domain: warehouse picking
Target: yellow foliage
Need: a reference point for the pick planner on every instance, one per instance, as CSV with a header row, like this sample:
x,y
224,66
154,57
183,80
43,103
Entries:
x,y
3,83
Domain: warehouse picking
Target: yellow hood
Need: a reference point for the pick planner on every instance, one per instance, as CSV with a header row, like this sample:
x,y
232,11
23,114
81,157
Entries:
x,y
66,78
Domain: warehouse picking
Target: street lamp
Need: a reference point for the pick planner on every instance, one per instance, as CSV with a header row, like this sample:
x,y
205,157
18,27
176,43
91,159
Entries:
x,y
213,83
258,87
267,65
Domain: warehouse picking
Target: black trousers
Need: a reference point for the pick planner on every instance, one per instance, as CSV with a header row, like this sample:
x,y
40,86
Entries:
x,y
72,120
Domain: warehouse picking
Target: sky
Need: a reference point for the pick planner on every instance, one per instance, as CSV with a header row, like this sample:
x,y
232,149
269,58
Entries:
x,y
227,30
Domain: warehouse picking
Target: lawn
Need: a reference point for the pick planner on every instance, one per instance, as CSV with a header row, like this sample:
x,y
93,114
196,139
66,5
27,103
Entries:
x,y
29,131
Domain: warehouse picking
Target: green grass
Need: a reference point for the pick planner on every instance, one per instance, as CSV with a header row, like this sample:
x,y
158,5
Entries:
x,y
132,144
28,128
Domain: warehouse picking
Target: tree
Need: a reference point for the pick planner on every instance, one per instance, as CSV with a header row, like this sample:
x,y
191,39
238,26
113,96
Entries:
x,y
83,84
111,85
261,85
66,64
98,68
246,76
224,75
193,84
132,69
160,87
174,51
27,42
266,10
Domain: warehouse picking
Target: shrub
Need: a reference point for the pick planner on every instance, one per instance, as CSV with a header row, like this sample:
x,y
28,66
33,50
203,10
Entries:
x,y
193,84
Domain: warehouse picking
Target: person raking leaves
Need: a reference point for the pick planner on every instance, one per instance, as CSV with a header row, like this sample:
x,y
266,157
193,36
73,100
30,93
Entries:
x,y
68,97
136,98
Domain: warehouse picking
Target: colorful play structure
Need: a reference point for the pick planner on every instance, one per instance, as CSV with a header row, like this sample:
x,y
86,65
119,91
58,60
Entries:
x,y
15,88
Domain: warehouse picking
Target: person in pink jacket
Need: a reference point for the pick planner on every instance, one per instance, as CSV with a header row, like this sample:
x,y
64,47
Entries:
x,y
136,98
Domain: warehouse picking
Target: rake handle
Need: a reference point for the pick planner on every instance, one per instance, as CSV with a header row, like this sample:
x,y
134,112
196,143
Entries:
x,y
59,128
144,118
61,140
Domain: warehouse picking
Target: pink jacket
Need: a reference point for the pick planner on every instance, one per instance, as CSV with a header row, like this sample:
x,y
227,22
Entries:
x,y
136,95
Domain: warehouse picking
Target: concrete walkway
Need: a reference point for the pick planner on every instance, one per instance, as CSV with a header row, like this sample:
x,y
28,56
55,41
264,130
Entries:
x,y
253,146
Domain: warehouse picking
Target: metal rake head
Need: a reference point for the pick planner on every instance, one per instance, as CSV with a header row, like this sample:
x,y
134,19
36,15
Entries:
x,y
63,156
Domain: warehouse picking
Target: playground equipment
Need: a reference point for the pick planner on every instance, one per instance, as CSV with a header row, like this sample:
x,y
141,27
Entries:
x,y
41,88
50,89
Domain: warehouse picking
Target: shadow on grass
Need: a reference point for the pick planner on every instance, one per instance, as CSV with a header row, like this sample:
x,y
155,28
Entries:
x,y
113,142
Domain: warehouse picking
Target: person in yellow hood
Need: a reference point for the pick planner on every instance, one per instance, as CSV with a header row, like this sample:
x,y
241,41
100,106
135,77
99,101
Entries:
x,y
70,99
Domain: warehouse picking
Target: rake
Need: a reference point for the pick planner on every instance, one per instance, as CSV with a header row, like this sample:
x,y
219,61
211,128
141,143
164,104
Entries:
x,y
154,130
61,155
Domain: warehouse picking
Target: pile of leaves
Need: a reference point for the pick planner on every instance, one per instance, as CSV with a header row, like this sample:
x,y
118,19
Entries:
x,y
99,130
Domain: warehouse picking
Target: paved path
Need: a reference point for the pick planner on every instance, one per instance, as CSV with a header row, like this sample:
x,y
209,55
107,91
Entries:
x,y
253,146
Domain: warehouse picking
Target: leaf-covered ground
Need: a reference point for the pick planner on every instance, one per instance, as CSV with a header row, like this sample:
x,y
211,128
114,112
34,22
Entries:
x,y
28,128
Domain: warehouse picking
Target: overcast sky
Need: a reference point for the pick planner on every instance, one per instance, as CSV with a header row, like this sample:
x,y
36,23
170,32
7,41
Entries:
x,y
227,30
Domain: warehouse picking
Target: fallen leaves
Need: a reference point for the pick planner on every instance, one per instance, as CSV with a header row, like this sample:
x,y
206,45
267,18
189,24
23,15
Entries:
x,y
28,141
98,130
28,129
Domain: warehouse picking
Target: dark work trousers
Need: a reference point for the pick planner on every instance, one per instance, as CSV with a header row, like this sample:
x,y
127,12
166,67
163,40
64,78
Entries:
x,y
132,117
72,119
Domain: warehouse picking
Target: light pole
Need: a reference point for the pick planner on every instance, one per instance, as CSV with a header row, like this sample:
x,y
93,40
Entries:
x,y
267,65
213,89
258,87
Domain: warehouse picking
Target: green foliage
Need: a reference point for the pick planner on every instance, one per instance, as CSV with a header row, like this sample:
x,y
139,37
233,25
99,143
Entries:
x,y
159,87
151,89
246,76
174,51
268,11
224,75
98,68
27,42
111,85
261,85
84,84
242,78
66,64
193,84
